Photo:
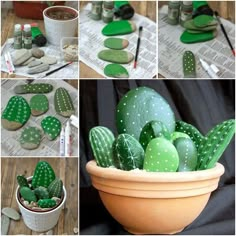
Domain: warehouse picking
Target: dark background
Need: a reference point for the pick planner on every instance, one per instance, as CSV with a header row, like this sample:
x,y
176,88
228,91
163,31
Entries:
x,y
200,103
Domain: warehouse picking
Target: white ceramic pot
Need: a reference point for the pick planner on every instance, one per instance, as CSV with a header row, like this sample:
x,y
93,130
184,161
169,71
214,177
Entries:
x,y
57,29
40,221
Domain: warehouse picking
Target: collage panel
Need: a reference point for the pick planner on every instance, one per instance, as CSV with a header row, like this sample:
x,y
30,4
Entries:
x,y
119,46
39,39
157,152
196,39
51,181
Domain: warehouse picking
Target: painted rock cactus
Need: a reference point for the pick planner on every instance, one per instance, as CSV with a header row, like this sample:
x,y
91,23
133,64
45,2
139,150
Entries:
x,y
187,154
128,153
41,193
28,194
175,135
51,127
30,138
63,103
22,181
38,104
55,188
33,88
47,203
138,107
215,143
16,113
101,140
151,130
161,156
43,175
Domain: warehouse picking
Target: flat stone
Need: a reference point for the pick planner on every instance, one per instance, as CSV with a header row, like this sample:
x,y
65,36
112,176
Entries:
x,y
38,69
20,56
48,60
205,20
116,56
36,52
30,138
34,63
5,223
191,26
116,43
11,213
38,104
116,71
28,61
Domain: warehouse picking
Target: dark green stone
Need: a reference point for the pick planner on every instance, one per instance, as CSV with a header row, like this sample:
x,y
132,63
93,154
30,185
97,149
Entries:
x,y
116,71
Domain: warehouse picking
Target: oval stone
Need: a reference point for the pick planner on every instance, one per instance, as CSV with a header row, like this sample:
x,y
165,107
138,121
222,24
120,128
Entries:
x,y
116,43
116,71
116,56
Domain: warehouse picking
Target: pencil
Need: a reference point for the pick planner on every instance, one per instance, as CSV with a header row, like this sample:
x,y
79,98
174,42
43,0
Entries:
x,y
138,45
224,32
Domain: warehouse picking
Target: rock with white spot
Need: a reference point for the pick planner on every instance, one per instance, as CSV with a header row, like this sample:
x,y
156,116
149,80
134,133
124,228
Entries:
x,y
48,60
101,140
161,156
33,88
128,154
11,213
51,127
39,104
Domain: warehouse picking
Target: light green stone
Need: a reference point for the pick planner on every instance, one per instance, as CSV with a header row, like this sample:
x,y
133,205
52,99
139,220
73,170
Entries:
x,y
191,26
205,20
116,56
116,43
38,104
116,71
51,127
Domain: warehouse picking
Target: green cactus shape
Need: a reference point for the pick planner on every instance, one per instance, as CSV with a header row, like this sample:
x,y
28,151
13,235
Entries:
x,y
43,175
28,194
47,203
187,154
138,107
128,153
38,104
55,188
215,144
63,103
33,88
161,156
22,181
190,130
51,127
16,111
41,193
101,140
30,138
176,135
151,130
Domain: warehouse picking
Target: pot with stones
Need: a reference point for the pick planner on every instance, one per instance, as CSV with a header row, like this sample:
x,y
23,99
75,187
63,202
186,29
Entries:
x,y
60,21
39,205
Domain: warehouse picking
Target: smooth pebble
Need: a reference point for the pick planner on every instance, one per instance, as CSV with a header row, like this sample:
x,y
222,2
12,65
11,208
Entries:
x,y
11,213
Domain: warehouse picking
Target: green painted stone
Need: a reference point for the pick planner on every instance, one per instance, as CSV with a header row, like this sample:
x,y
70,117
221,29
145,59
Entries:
x,y
128,154
116,43
33,88
22,181
176,135
47,203
189,65
116,56
187,37
30,138
39,104
51,127
41,192
204,20
187,154
139,106
16,113
191,26
28,194
119,28
151,130
116,71
161,156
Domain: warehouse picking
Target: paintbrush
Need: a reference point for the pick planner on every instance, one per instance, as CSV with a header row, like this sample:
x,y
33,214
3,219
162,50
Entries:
x,y
138,45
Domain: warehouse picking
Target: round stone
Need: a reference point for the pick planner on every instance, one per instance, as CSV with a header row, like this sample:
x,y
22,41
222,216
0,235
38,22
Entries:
x,y
48,60
38,53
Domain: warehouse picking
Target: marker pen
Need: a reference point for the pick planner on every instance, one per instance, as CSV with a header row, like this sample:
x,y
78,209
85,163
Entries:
x,y
62,142
209,69
68,140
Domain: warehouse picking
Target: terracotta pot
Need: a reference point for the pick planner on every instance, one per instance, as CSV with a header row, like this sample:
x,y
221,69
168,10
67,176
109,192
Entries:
x,y
154,203
32,9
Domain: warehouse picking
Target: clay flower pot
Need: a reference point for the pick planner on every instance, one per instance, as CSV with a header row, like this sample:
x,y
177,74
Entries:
x,y
154,203
37,220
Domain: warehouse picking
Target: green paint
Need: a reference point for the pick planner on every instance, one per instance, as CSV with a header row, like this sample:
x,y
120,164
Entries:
x,y
116,43
161,156
28,194
204,20
39,104
128,154
116,56
55,188
41,193
33,88
51,126
116,71
189,65
22,181
47,203
119,28
30,138
187,37
17,110
189,25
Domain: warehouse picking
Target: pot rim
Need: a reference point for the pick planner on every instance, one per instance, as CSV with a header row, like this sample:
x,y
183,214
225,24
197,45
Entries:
x,y
143,176
71,8
40,212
